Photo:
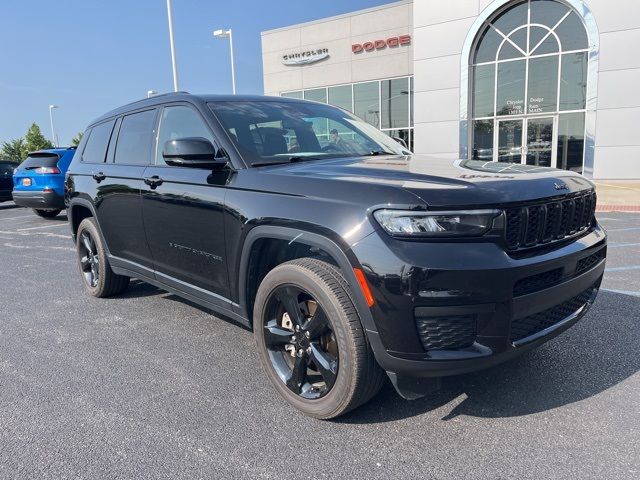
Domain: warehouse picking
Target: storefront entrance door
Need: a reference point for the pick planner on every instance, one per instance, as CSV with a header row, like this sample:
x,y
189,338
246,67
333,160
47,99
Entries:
x,y
536,147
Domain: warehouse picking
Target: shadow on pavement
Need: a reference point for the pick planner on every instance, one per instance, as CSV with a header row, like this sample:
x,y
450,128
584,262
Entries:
x,y
593,356
8,206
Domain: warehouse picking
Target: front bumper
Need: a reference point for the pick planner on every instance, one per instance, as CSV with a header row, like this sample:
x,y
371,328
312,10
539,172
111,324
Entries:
x,y
39,199
478,281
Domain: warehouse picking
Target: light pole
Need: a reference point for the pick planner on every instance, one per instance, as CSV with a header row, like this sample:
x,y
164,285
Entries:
x,y
151,93
173,46
224,34
54,138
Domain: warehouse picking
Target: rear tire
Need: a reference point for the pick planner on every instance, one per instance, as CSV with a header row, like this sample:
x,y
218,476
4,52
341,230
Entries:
x,y
355,376
47,213
99,279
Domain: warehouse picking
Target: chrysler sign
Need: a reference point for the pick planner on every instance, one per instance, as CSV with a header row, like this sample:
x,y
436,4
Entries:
x,y
391,42
306,57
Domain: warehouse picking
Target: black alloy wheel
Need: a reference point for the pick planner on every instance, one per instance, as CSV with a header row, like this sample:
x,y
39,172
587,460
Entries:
x,y
300,342
310,339
89,259
99,279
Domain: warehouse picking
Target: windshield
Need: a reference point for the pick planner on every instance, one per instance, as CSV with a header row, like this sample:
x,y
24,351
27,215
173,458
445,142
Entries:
x,y
272,132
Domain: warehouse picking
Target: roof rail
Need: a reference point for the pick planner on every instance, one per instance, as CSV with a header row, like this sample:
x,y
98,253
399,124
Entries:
x,y
168,94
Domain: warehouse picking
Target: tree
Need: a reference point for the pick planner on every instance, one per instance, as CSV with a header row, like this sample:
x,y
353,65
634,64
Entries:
x,y
75,141
14,150
35,140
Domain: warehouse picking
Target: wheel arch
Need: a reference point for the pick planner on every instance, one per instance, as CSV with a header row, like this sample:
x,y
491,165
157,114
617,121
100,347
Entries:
x,y
78,210
324,246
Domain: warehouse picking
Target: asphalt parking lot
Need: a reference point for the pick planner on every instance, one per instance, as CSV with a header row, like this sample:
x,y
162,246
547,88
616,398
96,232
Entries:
x,y
150,386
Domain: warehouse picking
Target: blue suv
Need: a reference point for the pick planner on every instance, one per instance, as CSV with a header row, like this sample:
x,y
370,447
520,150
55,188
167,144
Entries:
x,y
38,182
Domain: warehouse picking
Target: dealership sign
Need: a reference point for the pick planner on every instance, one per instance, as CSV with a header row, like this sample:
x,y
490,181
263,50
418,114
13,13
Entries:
x,y
306,57
381,44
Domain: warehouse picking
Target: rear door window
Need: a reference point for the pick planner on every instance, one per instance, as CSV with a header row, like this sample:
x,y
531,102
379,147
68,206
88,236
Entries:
x,y
135,139
95,149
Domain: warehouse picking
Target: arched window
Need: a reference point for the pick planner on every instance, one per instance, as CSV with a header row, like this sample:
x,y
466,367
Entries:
x,y
528,68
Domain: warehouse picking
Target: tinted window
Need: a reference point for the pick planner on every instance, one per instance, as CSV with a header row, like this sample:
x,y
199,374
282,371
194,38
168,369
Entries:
x,y
270,131
180,122
134,140
38,160
96,146
5,168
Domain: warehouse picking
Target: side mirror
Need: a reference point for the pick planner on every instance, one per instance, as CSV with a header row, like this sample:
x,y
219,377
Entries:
x,y
194,152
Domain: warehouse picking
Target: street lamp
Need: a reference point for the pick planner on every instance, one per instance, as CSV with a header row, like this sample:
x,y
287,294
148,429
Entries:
x,y
224,34
151,93
54,138
173,46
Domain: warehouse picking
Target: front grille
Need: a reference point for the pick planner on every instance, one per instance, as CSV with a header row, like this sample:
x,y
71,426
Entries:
x,y
547,222
589,262
446,333
527,326
537,282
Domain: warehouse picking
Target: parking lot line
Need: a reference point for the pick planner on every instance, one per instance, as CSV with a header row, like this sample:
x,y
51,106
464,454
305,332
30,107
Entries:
x,y
618,245
623,229
43,226
621,269
624,292
16,218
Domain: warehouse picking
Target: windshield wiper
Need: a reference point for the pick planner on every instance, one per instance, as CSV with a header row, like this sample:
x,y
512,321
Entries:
x,y
291,159
375,153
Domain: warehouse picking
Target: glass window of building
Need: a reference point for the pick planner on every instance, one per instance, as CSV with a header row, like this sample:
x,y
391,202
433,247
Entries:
x,y
395,103
316,95
341,96
529,86
296,94
386,104
366,102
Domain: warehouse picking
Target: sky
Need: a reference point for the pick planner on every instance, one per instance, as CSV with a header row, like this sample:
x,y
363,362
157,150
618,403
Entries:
x,y
90,56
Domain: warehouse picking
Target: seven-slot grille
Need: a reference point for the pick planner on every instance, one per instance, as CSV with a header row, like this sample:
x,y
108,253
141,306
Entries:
x,y
550,221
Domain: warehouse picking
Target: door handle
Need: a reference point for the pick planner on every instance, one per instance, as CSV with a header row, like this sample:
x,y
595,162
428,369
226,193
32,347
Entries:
x,y
154,181
98,177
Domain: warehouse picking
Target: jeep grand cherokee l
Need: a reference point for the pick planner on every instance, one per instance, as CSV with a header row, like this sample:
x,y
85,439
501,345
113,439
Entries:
x,y
348,257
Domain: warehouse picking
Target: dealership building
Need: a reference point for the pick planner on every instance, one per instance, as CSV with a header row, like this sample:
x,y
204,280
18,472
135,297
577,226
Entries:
x,y
539,82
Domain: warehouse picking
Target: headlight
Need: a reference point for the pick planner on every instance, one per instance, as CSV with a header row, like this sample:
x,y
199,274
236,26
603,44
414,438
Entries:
x,y
411,223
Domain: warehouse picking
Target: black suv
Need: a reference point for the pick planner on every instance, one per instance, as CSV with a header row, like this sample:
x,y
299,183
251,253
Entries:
x,y
347,255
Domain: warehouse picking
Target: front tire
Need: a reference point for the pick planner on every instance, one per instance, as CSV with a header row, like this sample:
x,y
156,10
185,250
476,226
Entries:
x,y
99,280
311,341
47,213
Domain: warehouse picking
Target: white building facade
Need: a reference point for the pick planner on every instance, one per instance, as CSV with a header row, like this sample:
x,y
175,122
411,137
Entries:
x,y
541,82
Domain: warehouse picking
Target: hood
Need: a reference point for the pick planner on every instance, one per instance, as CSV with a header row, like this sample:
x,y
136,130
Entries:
x,y
445,182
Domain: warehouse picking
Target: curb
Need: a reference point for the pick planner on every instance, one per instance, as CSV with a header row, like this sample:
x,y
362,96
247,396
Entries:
x,y
618,208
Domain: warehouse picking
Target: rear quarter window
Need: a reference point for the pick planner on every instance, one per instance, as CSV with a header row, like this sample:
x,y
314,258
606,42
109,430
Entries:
x,y
95,150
